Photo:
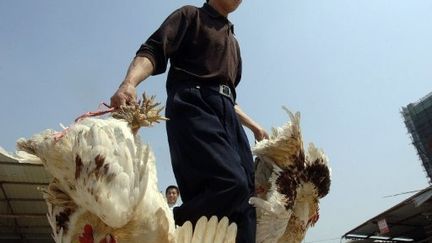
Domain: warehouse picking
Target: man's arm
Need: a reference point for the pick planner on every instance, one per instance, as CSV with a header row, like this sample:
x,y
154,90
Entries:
x,y
139,69
257,130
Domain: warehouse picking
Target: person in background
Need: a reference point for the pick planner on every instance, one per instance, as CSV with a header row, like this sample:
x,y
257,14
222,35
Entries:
x,y
172,193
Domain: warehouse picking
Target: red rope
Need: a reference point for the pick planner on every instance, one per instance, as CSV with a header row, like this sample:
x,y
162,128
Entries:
x,y
59,135
96,113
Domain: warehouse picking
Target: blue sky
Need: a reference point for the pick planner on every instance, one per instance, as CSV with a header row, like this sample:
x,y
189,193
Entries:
x,y
347,65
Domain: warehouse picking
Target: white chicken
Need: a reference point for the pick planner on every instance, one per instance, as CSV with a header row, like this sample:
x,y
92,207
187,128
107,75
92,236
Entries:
x,y
105,183
288,184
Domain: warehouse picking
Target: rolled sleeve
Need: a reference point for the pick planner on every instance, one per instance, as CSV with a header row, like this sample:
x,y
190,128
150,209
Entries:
x,y
165,41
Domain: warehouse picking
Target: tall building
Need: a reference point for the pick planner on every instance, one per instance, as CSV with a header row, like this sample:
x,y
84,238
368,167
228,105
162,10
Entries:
x,y
418,120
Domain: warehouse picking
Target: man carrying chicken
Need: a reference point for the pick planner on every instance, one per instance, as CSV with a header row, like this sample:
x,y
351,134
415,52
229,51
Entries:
x,y
210,153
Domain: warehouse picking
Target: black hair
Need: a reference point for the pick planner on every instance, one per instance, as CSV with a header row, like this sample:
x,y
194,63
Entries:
x,y
171,187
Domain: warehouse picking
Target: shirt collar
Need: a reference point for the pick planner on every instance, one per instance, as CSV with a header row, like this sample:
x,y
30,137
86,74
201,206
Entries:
x,y
211,11
215,14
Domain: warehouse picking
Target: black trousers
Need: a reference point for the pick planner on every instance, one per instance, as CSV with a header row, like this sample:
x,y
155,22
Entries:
x,y
211,158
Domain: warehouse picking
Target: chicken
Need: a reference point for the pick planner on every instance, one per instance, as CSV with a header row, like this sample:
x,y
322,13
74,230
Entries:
x,y
289,184
105,183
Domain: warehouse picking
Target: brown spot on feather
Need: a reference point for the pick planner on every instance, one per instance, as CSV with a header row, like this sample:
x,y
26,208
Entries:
x,y
319,174
287,184
105,169
99,160
62,220
78,166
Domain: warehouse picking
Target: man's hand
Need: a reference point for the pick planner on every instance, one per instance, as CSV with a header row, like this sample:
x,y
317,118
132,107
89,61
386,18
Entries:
x,y
139,69
125,95
260,134
257,130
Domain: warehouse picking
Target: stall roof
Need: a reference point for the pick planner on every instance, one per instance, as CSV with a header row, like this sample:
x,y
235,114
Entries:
x,y
22,208
408,221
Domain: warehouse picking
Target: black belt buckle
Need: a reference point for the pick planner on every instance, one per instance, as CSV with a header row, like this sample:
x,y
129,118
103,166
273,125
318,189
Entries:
x,y
226,91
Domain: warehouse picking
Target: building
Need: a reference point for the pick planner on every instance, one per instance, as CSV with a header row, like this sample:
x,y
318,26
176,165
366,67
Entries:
x,y
408,221
411,219
418,120
22,207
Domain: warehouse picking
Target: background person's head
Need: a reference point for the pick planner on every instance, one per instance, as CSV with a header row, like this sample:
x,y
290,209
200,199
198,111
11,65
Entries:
x,y
172,193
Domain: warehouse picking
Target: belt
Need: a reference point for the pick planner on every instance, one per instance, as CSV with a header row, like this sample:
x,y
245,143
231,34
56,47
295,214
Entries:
x,y
222,89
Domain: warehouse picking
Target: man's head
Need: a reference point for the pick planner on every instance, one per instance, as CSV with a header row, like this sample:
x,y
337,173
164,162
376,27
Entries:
x,y
172,193
224,7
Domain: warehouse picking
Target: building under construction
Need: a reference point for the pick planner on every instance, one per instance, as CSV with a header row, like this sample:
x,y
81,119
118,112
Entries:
x,y
418,120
